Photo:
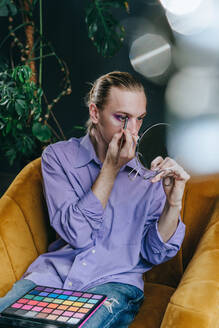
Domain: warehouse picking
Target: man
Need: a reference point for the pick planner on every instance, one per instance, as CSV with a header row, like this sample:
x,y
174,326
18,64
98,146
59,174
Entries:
x,y
111,229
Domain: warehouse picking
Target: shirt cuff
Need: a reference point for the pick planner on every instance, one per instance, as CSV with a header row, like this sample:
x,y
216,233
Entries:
x,y
157,243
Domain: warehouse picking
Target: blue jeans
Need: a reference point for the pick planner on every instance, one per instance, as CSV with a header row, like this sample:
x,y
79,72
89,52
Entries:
x,y
118,311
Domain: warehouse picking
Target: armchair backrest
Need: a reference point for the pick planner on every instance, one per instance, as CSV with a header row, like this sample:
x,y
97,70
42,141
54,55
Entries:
x,y
24,229
199,201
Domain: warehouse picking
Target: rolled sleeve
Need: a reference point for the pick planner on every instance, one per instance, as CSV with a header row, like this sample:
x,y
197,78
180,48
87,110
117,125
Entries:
x,y
156,251
153,249
92,208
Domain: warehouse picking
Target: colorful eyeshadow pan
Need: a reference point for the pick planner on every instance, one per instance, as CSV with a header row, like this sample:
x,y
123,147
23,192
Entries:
x,y
38,298
58,301
28,296
55,307
17,305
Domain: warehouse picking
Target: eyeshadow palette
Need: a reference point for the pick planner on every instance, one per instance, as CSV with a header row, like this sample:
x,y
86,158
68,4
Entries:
x,y
51,307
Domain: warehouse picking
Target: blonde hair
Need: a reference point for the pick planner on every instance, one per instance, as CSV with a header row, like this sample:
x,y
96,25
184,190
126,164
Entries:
x,y
100,90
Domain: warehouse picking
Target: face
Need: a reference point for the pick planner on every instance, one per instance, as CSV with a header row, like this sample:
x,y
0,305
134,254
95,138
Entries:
x,y
121,104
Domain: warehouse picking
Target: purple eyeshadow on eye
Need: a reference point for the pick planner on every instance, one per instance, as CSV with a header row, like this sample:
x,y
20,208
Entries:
x,y
119,117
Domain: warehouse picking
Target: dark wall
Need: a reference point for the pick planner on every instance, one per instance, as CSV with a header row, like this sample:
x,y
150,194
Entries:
x,y
65,27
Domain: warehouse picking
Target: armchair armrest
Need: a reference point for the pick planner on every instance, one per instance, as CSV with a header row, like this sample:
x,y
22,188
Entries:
x,y
195,302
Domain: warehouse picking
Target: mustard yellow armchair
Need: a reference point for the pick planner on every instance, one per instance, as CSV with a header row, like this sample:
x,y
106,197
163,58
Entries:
x,y
181,293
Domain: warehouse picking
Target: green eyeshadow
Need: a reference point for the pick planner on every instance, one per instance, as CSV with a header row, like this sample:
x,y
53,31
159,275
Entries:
x,y
38,298
29,297
49,299
58,301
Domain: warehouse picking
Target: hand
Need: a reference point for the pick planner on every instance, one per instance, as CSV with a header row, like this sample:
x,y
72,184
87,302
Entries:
x,y
174,179
121,149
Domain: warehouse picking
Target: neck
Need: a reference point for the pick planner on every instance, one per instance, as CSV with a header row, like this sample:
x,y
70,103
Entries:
x,y
100,147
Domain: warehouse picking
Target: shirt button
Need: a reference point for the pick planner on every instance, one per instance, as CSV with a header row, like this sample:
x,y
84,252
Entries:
x,y
84,263
70,283
93,251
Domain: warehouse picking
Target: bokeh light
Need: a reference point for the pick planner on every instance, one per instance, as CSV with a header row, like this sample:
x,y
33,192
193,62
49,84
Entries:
x,y
192,92
193,22
194,145
181,7
150,55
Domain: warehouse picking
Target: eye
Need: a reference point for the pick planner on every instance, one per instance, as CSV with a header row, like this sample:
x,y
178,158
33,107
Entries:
x,y
120,117
141,118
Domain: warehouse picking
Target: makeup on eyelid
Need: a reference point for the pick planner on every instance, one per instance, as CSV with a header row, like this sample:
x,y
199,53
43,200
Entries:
x,y
120,118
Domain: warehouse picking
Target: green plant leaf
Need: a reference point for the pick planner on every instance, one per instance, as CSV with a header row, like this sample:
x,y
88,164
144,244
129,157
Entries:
x,y
11,154
8,127
4,101
21,73
2,125
105,31
20,106
41,132
19,126
7,8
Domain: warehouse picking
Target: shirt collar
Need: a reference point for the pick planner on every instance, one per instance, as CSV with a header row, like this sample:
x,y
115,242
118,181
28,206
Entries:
x,y
86,153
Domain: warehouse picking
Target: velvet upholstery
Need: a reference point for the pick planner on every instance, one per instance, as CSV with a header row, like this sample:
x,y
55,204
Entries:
x,y
183,292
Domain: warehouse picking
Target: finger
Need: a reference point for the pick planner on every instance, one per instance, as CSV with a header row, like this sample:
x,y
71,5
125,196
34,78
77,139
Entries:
x,y
128,141
174,172
114,144
156,162
135,141
167,161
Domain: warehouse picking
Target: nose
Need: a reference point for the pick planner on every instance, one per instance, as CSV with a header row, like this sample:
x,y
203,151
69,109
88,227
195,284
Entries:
x,y
133,126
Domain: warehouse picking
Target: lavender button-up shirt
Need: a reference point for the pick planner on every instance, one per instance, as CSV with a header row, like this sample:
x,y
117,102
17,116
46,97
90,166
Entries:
x,y
97,245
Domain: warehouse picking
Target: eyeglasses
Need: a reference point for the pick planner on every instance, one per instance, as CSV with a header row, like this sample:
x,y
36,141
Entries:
x,y
147,174
150,145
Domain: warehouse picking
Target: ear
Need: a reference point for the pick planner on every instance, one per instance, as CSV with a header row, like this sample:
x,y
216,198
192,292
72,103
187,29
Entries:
x,y
94,113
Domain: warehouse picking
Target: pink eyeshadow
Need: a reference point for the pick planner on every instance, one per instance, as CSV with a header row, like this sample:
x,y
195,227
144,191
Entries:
x,y
16,305
87,295
37,308
27,307
78,315
77,294
58,312
46,310
68,313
